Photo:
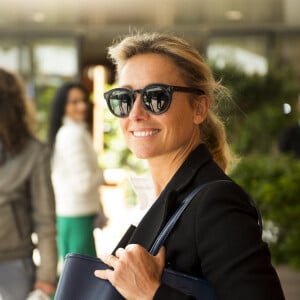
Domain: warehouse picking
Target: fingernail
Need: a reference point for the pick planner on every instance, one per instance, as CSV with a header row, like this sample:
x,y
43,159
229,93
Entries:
x,y
103,256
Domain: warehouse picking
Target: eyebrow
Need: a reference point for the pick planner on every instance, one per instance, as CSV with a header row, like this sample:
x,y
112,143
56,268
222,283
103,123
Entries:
x,y
126,86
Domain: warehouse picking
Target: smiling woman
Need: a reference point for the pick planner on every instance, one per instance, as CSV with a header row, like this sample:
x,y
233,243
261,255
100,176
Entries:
x,y
165,102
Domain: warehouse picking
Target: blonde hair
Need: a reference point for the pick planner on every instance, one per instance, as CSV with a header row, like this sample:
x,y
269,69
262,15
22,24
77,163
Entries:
x,y
194,72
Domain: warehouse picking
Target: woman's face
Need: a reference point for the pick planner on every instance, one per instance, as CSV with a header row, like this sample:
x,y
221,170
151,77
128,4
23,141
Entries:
x,y
173,133
76,106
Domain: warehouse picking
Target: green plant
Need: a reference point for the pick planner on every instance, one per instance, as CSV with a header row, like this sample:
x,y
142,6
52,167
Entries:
x,y
273,182
255,117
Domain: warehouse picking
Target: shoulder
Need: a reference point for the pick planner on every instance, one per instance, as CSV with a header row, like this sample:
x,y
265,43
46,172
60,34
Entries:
x,y
38,150
223,201
224,188
35,146
222,193
71,128
226,207
70,133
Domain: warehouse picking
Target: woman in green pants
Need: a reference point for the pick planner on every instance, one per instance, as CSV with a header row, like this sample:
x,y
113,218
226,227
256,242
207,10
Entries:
x,y
76,176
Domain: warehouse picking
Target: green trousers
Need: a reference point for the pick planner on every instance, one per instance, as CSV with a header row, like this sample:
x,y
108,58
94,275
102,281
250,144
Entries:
x,y
75,235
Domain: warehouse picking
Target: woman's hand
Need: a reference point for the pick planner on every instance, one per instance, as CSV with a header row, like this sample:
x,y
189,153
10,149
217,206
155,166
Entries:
x,y
46,287
136,274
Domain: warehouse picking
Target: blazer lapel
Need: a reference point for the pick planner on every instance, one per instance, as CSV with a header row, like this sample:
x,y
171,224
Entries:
x,y
159,213
154,220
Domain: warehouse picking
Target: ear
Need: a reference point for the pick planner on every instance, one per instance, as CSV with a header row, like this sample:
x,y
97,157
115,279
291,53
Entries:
x,y
200,106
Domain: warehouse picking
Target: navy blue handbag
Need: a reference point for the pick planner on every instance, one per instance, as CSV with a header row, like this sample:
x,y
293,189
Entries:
x,y
77,281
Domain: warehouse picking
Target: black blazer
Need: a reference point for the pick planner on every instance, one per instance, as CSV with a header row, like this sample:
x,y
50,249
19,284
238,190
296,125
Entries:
x,y
217,236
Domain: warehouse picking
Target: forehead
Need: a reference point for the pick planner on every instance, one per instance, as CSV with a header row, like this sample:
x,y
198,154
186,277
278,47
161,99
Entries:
x,y
75,92
143,69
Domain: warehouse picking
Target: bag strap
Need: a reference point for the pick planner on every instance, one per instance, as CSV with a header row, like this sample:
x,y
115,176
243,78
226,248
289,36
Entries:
x,y
185,203
173,220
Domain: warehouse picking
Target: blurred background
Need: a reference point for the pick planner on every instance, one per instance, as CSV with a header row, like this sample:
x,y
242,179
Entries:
x,y
252,46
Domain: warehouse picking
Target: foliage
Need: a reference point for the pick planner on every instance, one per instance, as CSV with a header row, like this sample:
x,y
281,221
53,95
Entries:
x,y
273,182
44,96
254,122
255,117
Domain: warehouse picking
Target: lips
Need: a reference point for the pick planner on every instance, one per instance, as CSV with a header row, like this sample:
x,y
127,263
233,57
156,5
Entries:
x,y
144,133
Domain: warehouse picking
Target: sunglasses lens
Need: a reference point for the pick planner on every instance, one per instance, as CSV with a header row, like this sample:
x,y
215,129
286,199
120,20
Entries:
x,y
156,99
120,102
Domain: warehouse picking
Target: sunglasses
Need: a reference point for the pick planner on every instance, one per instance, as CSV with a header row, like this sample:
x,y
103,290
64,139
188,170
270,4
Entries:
x,y
156,98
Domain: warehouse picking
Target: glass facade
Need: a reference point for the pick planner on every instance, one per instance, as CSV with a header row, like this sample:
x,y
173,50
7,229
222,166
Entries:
x,y
44,63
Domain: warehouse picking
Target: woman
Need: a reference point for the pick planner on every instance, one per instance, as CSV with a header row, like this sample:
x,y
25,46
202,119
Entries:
x,y
26,199
76,176
166,107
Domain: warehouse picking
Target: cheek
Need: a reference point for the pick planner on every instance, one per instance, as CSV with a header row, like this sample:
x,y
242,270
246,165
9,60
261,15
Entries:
x,y
68,110
123,125
180,126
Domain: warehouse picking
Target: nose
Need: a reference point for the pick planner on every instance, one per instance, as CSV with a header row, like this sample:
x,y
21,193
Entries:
x,y
138,112
82,105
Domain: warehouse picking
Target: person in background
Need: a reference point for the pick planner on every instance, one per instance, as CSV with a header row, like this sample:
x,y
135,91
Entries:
x,y
76,176
166,105
289,141
27,202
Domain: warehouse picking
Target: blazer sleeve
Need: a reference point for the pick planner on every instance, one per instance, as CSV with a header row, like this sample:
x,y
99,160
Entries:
x,y
233,256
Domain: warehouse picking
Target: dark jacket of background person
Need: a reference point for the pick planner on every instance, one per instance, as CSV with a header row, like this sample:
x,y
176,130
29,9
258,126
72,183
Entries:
x,y
289,141
27,205
223,228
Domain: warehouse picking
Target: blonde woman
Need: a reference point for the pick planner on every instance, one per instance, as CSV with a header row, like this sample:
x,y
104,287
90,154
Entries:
x,y
165,102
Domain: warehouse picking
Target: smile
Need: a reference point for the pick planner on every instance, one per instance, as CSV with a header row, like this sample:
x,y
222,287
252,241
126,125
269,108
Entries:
x,y
144,133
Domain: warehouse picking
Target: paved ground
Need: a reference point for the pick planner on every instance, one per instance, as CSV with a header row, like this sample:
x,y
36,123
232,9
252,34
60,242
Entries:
x,y
290,280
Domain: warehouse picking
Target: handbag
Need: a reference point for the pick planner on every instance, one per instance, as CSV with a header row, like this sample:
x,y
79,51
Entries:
x,y
78,282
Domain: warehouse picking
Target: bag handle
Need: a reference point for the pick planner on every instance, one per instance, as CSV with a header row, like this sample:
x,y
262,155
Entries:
x,y
173,220
185,203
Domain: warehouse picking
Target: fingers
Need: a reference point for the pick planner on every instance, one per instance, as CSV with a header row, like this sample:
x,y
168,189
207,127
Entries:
x,y
160,256
103,274
120,252
161,253
135,273
109,259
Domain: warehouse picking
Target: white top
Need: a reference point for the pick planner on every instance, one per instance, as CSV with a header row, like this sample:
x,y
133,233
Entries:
x,y
76,176
144,189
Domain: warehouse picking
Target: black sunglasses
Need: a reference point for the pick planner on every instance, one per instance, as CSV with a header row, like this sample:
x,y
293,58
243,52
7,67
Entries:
x,y
156,98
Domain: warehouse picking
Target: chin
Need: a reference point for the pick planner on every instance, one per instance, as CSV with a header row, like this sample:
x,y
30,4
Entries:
x,y
143,152
141,156
144,155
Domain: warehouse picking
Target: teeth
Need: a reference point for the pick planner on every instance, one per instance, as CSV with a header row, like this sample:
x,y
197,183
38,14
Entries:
x,y
144,133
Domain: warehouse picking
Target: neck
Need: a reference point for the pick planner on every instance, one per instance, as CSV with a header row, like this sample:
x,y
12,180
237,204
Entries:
x,y
161,171
164,167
